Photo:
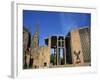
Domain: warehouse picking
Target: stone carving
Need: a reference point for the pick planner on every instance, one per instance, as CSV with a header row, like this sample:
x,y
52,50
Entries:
x,y
77,54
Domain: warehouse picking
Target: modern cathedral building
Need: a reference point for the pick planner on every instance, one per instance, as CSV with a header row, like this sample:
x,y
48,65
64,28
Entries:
x,y
74,48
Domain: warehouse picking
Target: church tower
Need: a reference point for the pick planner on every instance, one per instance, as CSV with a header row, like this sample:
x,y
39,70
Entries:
x,y
35,39
35,47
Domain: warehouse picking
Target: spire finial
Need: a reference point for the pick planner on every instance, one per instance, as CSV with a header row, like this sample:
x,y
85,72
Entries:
x,y
37,27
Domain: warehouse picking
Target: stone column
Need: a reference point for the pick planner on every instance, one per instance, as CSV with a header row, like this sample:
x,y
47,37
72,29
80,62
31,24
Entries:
x,y
54,56
64,51
49,47
57,52
59,59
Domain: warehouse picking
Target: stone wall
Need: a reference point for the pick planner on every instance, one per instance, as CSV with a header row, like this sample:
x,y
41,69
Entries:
x,y
76,48
26,48
41,58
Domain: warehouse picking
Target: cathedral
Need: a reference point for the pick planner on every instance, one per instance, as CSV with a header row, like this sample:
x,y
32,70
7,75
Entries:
x,y
72,49
35,56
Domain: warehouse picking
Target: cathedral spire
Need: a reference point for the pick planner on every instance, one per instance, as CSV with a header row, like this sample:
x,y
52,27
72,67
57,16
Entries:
x,y
37,28
35,39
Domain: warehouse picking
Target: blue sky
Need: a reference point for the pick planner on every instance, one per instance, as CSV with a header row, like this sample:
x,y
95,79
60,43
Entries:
x,y
54,23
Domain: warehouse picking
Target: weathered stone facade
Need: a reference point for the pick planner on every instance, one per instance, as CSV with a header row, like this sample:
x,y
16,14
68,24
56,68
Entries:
x,y
40,55
43,58
75,46
75,49
78,46
86,43
26,48
34,56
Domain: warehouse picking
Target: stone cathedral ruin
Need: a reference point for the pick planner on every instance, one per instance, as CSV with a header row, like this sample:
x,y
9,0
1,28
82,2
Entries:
x,y
72,49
